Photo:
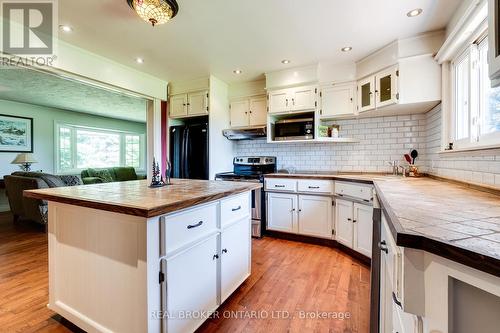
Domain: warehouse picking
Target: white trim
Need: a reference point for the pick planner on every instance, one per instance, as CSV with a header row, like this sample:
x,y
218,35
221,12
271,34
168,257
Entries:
x,y
123,134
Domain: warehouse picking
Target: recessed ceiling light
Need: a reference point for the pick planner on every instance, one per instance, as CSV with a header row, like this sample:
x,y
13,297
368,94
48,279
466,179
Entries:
x,y
414,12
139,60
346,49
66,28
237,71
285,61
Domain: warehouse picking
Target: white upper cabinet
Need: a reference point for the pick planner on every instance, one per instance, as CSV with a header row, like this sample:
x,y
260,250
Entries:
x,y
239,113
249,112
366,94
315,216
378,90
190,104
258,111
198,103
178,105
293,99
338,101
386,87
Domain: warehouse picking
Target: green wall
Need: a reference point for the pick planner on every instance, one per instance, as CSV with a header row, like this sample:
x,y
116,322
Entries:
x,y
43,127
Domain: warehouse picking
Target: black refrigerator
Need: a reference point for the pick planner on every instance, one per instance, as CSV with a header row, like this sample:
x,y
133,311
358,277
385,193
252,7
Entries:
x,y
189,150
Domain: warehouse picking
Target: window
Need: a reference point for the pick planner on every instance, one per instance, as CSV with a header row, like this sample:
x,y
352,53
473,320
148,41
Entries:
x,y
82,147
476,105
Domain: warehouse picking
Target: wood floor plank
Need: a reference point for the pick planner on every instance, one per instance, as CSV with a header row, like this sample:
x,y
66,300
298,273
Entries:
x,y
289,279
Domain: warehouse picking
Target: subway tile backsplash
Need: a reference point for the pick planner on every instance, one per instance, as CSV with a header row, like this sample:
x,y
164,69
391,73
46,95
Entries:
x,y
383,139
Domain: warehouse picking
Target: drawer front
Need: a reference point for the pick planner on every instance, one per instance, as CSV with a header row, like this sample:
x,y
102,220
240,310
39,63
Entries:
x,y
281,184
362,192
315,186
188,226
235,208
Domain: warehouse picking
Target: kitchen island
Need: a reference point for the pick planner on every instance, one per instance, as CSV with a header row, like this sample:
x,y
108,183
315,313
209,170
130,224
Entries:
x,y
124,257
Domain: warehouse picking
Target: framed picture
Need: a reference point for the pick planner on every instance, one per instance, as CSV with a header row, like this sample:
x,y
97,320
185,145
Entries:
x,y
16,134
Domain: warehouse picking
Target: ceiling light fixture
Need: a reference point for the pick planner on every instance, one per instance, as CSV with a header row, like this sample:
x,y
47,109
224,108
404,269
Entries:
x,y
139,60
285,61
346,49
237,71
414,12
155,11
66,28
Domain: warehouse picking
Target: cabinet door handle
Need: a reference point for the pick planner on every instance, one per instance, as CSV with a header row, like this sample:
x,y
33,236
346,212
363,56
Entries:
x,y
293,101
353,221
314,187
191,226
383,246
287,102
293,210
236,209
349,219
395,299
215,257
279,186
224,250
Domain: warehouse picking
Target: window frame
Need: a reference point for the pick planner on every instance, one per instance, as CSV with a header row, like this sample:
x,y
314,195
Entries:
x,y
475,139
73,145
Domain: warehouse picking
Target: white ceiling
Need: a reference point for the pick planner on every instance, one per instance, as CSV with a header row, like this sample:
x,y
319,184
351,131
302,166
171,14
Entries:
x,y
217,36
33,87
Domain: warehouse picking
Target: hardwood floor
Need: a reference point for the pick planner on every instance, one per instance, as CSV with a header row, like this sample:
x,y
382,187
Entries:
x,y
288,280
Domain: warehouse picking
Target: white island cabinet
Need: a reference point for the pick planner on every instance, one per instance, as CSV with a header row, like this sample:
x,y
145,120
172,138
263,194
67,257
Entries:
x,y
146,260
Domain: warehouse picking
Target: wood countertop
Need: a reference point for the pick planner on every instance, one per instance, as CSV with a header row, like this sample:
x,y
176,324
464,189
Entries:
x,y
136,198
445,218
357,177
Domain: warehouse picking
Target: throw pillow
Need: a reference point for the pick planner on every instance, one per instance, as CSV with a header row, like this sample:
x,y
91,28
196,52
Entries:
x,y
104,174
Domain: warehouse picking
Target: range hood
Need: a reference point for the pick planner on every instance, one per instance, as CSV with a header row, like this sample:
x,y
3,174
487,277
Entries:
x,y
249,133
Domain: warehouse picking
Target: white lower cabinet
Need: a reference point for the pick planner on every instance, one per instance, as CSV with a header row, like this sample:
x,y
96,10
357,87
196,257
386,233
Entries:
x,y
309,215
315,216
281,210
354,224
201,268
235,256
191,272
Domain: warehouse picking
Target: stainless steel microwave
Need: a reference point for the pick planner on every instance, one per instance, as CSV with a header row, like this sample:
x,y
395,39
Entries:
x,y
294,129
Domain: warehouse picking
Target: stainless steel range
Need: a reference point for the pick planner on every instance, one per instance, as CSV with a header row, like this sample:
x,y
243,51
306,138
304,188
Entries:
x,y
252,169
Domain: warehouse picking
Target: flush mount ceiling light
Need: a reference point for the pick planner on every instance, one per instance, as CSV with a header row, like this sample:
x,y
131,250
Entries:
x,y
155,11
346,49
66,28
414,12
139,60
237,71
285,61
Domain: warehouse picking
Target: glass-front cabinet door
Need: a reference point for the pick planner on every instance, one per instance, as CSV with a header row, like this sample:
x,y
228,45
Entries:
x,y
386,90
366,91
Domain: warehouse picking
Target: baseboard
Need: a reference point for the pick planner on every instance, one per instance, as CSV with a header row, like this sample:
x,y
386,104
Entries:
x,y
319,241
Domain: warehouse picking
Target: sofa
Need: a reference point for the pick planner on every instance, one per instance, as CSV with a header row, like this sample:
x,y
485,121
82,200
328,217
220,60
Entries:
x,y
27,208
105,175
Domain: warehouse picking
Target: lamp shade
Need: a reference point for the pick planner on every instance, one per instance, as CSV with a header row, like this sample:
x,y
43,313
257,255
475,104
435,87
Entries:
x,y
24,158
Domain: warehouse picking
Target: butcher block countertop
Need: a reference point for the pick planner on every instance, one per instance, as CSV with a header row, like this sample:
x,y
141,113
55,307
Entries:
x,y
136,198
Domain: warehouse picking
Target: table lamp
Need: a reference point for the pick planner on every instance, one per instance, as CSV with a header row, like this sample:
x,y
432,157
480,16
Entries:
x,y
24,160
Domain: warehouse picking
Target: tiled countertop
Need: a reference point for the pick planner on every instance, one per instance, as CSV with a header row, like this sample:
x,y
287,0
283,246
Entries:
x,y
448,219
136,198
444,218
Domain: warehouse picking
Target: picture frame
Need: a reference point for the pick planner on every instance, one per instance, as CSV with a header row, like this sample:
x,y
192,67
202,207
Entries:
x,y
16,134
